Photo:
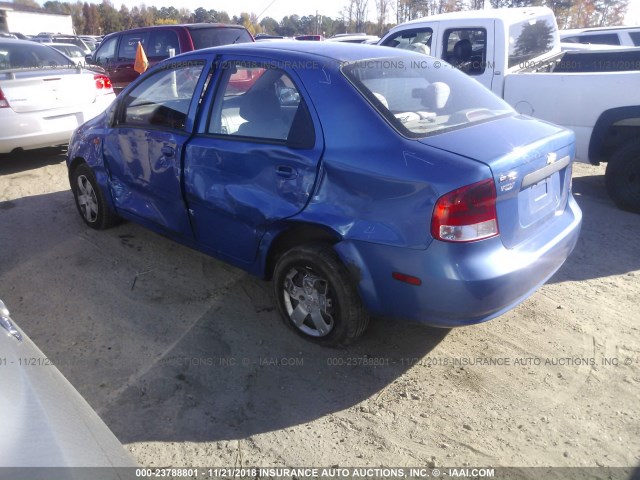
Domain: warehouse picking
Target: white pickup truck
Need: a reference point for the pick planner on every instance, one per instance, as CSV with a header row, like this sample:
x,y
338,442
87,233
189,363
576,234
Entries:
x,y
516,53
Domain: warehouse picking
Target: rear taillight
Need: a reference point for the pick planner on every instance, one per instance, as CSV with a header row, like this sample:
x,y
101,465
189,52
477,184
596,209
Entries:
x,y
3,101
102,82
466,214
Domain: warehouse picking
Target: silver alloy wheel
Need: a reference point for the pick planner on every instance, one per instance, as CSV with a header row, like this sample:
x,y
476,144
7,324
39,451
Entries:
x,y
307,302
87,200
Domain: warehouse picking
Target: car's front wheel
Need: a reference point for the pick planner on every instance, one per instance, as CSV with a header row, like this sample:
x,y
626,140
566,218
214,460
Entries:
x,y
89,199
316,297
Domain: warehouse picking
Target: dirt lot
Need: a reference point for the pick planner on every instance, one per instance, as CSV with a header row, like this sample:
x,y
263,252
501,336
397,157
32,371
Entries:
x,y
187,362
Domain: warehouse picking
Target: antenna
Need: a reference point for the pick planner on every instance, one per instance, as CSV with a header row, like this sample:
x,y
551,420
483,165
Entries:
x,y
262,13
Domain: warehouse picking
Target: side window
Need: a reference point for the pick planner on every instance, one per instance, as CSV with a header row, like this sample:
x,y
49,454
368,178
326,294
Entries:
x,y
107,51
162,100
418,40
466,49
601,39
129,45
160,42
635,38
264,103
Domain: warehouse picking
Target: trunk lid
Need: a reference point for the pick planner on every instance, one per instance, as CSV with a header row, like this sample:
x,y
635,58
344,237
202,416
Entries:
x,y
47,89
530,161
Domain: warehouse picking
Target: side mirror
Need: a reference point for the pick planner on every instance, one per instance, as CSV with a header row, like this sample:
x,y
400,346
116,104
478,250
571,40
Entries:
x,y
88,59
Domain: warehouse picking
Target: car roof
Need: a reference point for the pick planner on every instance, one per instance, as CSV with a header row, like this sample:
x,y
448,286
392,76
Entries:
x,y
357,36
56,44
337,51
181,26
577,31
509,15
17,40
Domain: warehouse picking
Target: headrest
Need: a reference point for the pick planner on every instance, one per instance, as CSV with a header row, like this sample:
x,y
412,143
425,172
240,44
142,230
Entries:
x,y
419,47
436,95
383,100
259,105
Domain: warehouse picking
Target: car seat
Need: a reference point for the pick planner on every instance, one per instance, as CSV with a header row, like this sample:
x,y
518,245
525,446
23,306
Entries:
x,y
462,51
261,110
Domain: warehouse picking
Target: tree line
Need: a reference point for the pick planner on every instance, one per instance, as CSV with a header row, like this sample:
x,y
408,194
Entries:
x,y
104,18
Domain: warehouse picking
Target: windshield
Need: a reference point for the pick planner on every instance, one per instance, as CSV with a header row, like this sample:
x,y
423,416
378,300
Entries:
x,y
422,96
215,36
31,55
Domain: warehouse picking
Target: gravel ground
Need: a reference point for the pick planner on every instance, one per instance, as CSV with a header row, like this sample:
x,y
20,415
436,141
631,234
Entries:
x,y
188,363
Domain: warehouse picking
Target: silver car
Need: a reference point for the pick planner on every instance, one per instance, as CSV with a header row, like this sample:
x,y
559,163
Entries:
x,y
45,422
44,96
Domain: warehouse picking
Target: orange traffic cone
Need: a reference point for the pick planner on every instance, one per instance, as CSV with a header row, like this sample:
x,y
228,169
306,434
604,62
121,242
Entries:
x,y
142,63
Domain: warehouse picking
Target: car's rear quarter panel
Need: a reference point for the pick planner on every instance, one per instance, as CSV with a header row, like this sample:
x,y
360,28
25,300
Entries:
x,y
376,185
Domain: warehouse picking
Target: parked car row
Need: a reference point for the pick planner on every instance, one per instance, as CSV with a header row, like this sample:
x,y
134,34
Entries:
x,y
45,94
66,39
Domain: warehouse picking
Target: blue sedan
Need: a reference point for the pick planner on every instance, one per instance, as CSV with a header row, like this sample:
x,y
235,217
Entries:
x,y
361,180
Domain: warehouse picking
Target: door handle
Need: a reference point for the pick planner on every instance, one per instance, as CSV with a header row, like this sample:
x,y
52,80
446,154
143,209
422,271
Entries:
x,y
167,151
286,171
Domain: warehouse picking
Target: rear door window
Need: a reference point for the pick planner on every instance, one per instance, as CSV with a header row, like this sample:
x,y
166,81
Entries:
x,y
466,49
262,103
635,38
161,42
129,45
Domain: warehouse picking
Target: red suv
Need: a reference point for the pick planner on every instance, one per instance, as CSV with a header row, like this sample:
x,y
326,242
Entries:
x,y
117,51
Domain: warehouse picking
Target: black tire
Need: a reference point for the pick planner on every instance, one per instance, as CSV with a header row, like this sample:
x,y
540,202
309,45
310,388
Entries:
x,y
329,289
622,176
90,201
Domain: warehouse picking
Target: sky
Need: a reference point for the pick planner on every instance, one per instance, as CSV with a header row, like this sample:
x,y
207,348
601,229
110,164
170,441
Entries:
x,y
633,13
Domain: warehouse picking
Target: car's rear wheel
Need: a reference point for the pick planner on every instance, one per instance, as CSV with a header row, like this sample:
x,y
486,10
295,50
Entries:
x,y
316,297
623,176
89,199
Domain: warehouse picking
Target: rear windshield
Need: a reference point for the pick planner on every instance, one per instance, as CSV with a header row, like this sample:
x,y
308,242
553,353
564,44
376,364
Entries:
x,y
531,38
31,55
423,96
215,36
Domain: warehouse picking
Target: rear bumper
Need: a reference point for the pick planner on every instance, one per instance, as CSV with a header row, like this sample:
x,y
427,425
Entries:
x,y
44,129
462,284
